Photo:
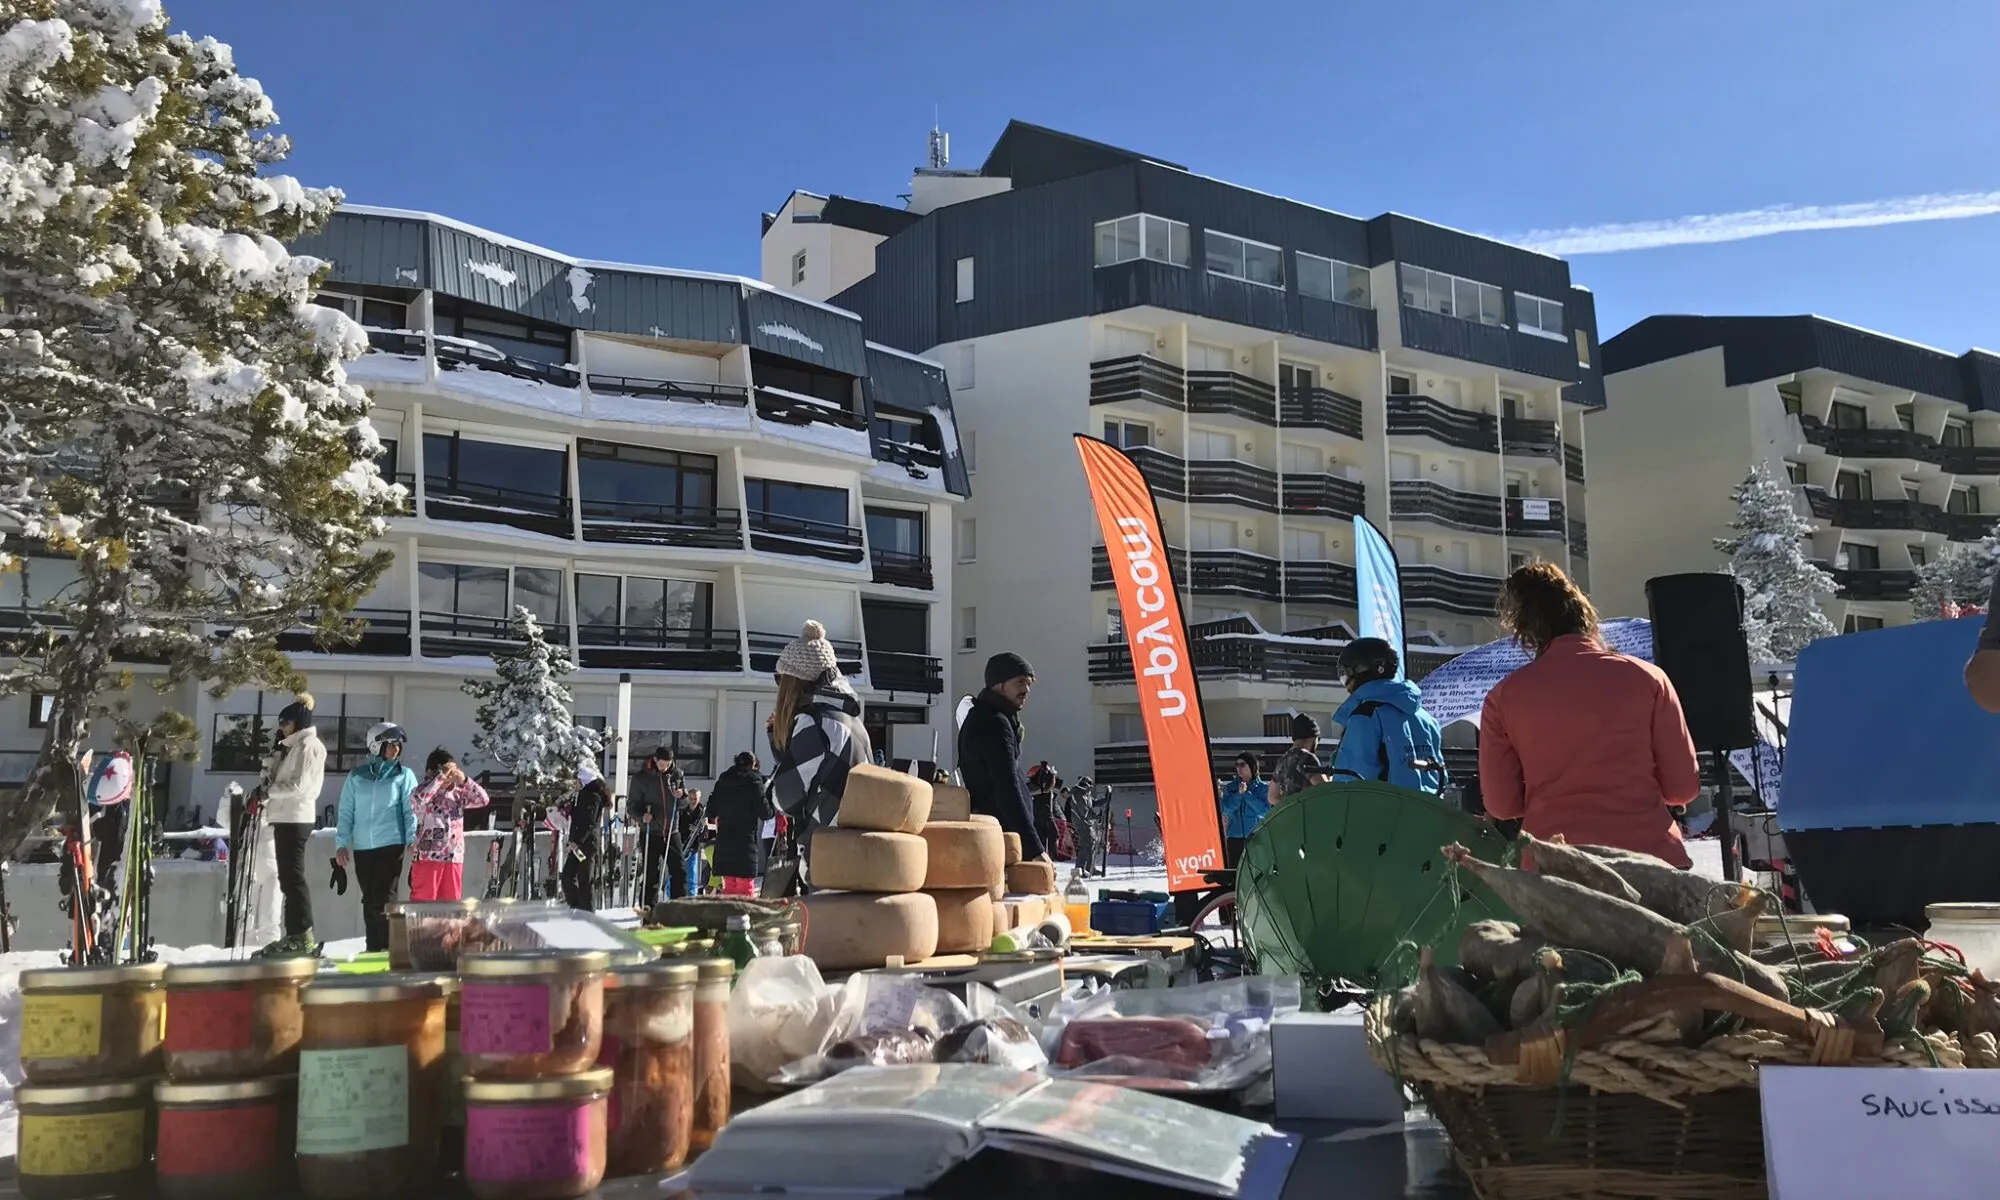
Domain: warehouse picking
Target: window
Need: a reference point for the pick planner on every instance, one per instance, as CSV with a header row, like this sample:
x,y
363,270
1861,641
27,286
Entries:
x,y
1962,500
1956,433
374,314
1853,485
1543,318
1905,417
458,589
896,533
964,280
965,377
609,605
501,330
798,268
1114,624
466,466
1859,624
1847,416
1796,472
1918,556
968,449
1793,399
892,427
968,629
1448,295
801,504
1402,385
41,709
1510,406
1239,258
1331,279
1128,728
238,741
1208,446
690,747
893,628
640,480
1128,435
1857,557
1582,348
968,540
881,720
1515,561
836,389
1142,236
1210,533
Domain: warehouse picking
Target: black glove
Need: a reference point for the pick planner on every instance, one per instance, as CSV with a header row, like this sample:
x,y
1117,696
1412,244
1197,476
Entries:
x,y
339,881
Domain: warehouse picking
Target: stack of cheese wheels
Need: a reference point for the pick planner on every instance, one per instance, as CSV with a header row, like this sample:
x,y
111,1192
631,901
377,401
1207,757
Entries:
x,y
966,875
950,802
875,864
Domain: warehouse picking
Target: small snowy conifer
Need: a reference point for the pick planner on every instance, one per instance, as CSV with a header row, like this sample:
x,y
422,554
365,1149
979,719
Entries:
x,y
1962,575
524,712
181,454
1781,586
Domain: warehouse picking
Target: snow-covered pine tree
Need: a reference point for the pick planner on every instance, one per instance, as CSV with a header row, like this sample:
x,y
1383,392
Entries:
x,y
177,432
1962,575
1781,586
524,717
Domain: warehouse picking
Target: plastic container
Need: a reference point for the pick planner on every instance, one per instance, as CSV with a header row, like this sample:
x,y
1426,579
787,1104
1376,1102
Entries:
x,y
230,1141
371,1086
1076,904
531,1014
538,1139
235,1020
711,1051
436,932
399,936
1973,928
92,1024
1800,929
84,1140
649,1045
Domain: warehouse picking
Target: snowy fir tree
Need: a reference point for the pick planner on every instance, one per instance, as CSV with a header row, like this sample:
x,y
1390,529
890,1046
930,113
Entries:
x,y
1781,586
1961,577
524,712
175,420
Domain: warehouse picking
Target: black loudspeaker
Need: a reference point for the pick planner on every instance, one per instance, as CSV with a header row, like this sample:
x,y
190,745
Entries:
x,y
1698,642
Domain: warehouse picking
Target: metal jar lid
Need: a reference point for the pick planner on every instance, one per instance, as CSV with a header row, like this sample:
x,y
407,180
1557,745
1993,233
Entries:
x,y
446,980
70,979
84,1093
657,973
499,964
441,908
247,970
714,969
371,989
1976,913
586,1085
270,1087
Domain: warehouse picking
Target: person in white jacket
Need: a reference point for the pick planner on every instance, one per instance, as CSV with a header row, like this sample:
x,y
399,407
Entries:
x,y
293,777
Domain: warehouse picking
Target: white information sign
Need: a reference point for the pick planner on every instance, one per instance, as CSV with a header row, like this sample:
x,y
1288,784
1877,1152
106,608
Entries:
x,y
1534,510
1831,1133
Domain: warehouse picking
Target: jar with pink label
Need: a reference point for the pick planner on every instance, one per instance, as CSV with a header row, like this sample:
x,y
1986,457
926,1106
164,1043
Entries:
x,y
531,1014
540,1139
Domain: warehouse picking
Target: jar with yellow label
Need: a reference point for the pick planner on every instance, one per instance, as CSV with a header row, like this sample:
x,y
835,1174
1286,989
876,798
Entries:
x,y
92,1024
226,1141
371,1086
84,1141
235,1020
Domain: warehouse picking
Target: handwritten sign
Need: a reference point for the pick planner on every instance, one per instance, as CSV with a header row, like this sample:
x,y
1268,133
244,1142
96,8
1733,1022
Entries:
x,y
1831,1133
1535,510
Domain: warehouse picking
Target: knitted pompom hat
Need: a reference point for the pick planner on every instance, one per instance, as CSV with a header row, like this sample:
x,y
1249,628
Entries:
x,y
810,656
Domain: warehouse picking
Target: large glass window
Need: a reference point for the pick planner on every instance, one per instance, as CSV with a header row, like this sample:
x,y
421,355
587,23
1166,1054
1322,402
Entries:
x,y
772,371
896,628
690,748
643,602
1962,500
238,741
801,502
473,591
1853,485
1857,556
375,314
1239,258
1451,296
1957,433
640,477
456,463
896,532
500,330
1532,314
1331,279
1847,416
1142,236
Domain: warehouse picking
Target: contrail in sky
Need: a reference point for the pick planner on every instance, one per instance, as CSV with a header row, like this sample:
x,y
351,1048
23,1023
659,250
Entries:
x,y
1756,223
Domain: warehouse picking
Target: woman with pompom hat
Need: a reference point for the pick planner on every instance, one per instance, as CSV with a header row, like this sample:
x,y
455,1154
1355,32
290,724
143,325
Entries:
x,y
816,734
292,778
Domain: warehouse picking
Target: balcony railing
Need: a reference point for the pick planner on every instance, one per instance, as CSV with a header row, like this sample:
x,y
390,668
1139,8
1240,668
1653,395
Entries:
x,y
897,671
640,523
1856,584
1137,379
1222,481
382,633
1520,524
765,648
899,569
1526,436
1970,460
1421,500
1871,443
1325,496
727,395
1320,408
1207,572
453,353
781,534
1573,462
1244,657
1130,763
1579,542
909,454
443,634
796,408
1230,394
1911,515
396,341
655,648
458,500
1310,582
1428,586
1439,421
1968,527
21,629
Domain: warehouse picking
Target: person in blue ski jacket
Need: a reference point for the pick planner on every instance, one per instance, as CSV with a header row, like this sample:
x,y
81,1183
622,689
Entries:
x,y
377,824
1246,801
1385,733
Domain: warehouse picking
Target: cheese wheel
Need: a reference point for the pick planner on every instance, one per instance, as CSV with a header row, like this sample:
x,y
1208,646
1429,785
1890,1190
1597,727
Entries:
x,y
965,854
1038,877
883,800
1028,909
853,930
862,860
964,919
950,802
1013,841
985,819
996,890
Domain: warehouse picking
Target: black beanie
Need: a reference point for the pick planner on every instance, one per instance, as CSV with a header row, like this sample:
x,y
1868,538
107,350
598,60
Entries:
x,y
1304,727
299,712
1004,666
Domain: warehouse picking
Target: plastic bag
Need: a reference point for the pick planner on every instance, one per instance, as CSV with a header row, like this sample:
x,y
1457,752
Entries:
x,y
780,1011
885,1019
1209,1037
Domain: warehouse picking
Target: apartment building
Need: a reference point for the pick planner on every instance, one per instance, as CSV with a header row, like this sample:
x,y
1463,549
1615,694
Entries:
x,y
672,470
1891,446
1273,367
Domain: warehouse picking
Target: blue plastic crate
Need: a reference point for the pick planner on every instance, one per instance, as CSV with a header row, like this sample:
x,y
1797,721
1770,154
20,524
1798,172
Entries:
x,y
1130,918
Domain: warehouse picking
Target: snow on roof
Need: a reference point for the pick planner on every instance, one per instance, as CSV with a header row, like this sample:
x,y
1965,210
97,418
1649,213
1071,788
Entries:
x,y
929,362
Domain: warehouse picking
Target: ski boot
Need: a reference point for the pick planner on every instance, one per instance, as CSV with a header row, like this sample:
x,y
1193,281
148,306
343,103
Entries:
x,y
299,945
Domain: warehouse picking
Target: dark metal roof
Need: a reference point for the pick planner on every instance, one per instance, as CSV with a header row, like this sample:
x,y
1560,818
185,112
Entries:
x,y
1759,348
1031,154
868,217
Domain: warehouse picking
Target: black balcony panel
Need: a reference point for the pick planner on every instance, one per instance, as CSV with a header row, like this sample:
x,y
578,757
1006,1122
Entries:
x,y
890,671
1968,527
1579,541
1520,524
1874,585
1226,393
1137,379
765,648
685,392
1221,481
1871,443
1970,460
1428,586
898,569
796,408
1325,496
656,648
781,534
1423,416
380,633
1319,583
1908,515
536,512
1573,462
638,523
1422,500
1531,438
1321,408
442,634
454,353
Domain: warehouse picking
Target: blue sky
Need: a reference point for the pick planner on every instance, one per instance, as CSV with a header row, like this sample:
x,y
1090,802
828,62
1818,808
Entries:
x,y
657,130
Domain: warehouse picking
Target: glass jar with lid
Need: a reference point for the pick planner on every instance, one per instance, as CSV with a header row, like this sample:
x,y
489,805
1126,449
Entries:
x,y
538,1139
711,1051
451,1134
371,1086
235,1020
229,1140
92,1024
399,936
649,1045
531,1014
84,1140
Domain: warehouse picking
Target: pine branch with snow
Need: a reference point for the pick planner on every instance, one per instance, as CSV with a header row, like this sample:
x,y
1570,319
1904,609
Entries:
x,y
1961,577
524,712
185,472
1782,588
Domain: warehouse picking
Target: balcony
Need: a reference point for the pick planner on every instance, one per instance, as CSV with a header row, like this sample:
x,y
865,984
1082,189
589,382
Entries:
x,y
1130,764
895,671
1421,500
1874,585
1226,393
1896,444
677,391
638,523
1246,657
1325,496
1970,460
797,408
1573,463
765,648
1320,408
896,568
1434,419
1221,481
455,353
1206,572
1968,527
656,648
382,633
23,629
1311,582
1547,523
535,512
1530,438
777,533
1428,586
1579,544
1137,379
1912,516
406,342
446,635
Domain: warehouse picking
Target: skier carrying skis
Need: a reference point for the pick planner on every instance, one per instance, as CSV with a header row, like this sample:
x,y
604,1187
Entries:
x,y
292,779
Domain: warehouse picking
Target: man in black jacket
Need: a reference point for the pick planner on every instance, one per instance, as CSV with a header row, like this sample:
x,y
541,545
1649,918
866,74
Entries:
x,y
586,819
656,793
989,751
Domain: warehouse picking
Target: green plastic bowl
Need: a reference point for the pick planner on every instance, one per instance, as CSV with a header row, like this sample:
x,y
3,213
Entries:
x,y
372,962
672,935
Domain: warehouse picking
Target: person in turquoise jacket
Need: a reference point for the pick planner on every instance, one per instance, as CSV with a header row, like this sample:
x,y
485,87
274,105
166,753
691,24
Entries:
x,y
1246,801
377,824
1385,734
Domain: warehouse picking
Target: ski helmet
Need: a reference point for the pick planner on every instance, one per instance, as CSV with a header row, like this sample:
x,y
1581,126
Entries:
x,y
388,733
1368,658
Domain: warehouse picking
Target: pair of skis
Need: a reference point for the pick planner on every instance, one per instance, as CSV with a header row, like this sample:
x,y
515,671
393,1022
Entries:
x,y
110,924
246,829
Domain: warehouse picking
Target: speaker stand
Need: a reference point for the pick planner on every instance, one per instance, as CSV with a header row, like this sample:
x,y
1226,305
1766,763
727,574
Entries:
x,y
1725,800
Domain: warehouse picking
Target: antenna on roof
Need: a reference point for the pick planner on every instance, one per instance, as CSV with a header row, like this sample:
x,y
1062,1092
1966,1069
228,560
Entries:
x,y
939,156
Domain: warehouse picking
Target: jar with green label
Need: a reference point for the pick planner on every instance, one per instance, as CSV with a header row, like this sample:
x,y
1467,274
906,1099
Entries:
x,y
371,1086
226,1141
92,1024
85,1140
